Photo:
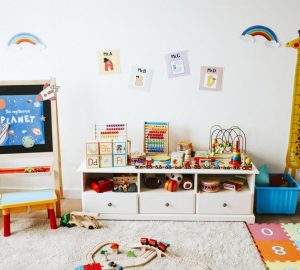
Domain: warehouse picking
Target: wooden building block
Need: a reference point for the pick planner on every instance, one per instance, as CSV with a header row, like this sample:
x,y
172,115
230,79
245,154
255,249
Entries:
x,y
119,148
92,161
120,160
106,148
106,161
92,148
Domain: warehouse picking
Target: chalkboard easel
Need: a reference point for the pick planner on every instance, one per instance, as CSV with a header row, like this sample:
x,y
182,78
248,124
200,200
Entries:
x,y
29,127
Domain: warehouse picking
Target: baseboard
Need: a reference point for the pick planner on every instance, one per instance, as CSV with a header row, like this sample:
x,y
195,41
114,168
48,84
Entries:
x,y
69,193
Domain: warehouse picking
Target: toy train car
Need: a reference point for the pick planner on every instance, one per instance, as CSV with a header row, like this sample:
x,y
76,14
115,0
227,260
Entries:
x,y
93,266
154,243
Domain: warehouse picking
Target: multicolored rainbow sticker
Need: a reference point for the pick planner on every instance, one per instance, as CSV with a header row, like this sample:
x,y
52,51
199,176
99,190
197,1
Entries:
x,y
258,30
28,38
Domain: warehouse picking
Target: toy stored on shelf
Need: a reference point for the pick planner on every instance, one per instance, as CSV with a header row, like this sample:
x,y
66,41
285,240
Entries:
x,y
173,181
137,158
152,181
233,185
125,183
160,160
156,137
247,165
236,159
187,183
210,185
101,184
177,159
222,141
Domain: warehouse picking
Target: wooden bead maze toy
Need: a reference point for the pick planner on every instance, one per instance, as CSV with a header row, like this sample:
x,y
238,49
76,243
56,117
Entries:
x,y
228,146
156,138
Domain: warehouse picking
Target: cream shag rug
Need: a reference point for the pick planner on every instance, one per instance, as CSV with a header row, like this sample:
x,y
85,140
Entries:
x,y
220,245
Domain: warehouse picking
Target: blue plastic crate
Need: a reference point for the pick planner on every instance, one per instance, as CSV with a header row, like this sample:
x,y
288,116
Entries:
x,y
277,200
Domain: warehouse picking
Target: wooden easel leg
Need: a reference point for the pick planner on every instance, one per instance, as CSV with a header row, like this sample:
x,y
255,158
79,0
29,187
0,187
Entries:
x,y
58,205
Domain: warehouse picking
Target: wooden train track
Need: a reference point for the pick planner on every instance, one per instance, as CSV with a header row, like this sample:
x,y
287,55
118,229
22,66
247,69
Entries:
x,y
148,254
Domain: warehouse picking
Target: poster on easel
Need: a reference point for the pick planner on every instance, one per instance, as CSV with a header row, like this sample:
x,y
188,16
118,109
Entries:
x,y
26,119
140,78
109,62
177,64
211,78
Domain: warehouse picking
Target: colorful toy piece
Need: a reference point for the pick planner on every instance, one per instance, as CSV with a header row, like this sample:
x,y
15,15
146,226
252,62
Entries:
x,y
80,219
236,156
131,253
114,248
173,181
247,164
92,266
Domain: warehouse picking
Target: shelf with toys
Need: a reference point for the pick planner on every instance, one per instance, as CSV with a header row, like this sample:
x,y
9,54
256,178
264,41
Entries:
x,y
215,185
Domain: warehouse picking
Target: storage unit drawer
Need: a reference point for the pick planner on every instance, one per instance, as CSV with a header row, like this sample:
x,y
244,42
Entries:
x,y
225,203
110,203
167,203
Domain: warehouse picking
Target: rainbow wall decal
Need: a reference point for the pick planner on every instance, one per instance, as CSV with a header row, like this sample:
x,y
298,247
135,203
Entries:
x,y
258,30
25,37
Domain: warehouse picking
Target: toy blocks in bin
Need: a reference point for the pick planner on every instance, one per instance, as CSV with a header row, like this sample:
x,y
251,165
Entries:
x,y
277,200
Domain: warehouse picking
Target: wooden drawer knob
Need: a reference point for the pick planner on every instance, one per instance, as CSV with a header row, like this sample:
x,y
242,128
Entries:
x,y
224,204
109,204
167,204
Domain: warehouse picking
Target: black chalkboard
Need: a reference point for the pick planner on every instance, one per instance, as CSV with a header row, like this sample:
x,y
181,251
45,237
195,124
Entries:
x,y
25,122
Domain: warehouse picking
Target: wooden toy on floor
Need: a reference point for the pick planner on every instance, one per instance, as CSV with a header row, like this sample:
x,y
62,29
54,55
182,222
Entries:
x,y
81,219
151,248
22,201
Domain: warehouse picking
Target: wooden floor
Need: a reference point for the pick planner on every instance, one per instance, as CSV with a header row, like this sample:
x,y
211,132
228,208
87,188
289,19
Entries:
x,y
69,205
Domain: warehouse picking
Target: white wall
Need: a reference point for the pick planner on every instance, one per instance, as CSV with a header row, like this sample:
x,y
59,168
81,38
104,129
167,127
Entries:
x,y
257,85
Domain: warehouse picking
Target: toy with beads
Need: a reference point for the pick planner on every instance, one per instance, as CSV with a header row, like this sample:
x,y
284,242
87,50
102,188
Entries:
x,y
111,131
156,137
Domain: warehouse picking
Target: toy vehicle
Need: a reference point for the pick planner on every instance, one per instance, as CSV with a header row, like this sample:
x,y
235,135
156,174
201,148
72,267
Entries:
x,y
187,165
39,170
81,219
154,243
29,170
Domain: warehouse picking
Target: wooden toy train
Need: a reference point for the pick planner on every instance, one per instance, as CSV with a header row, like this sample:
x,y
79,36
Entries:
x,y
162,246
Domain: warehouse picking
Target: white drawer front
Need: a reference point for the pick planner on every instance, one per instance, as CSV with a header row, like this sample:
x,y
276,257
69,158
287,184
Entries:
x,y
110,203
167,203
225,203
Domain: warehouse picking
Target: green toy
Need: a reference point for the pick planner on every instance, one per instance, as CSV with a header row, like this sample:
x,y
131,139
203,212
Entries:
x,y
102,252
131,253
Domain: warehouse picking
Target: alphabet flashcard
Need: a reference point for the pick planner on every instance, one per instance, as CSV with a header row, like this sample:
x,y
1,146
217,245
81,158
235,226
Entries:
x,y
177,64
211,78
109,61
140,78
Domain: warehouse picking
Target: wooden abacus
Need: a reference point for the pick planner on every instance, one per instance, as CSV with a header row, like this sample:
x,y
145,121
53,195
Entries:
x,y
116,132
156,138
